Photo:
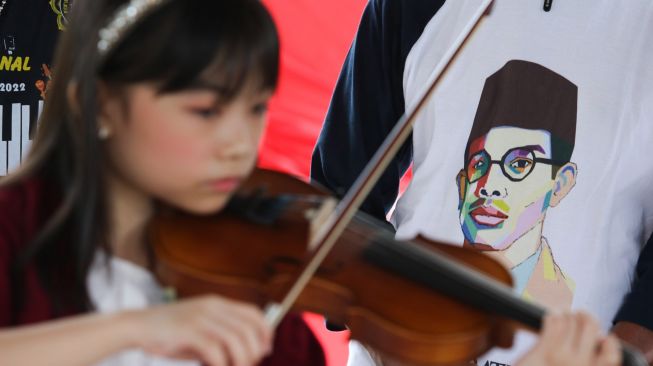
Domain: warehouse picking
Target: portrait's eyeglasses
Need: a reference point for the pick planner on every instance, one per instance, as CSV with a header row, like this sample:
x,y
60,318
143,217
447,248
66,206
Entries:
x,y
516,164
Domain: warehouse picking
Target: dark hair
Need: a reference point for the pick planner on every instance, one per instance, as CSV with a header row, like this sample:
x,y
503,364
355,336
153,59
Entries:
x,y
527,95
178,44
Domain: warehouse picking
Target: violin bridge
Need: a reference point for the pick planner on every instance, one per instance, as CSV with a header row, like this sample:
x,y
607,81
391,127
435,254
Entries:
x,y
317,217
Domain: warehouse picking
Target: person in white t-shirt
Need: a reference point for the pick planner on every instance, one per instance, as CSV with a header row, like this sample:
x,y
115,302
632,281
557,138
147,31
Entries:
x,y
591,252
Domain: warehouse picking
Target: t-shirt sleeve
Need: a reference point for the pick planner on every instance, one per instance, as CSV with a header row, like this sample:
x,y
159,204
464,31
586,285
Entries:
x,y
368,100
637,305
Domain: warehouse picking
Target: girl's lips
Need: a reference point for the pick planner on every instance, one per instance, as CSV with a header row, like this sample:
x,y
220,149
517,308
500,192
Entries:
x,y
488,216
225,185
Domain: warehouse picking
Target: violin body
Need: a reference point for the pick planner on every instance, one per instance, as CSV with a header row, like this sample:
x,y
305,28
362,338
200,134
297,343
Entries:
x,y
236,257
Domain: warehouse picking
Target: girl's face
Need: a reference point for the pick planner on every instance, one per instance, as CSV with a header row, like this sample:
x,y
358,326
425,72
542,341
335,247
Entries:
x,y
185,148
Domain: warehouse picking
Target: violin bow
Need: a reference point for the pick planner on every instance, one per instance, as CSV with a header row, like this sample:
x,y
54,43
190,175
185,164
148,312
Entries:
x,y
328,233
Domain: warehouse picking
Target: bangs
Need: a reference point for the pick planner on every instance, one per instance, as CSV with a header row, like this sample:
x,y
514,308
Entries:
x,y
232,44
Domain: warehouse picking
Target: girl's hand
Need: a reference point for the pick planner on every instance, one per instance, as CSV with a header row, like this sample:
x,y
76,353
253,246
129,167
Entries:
x,y
212,329
572,339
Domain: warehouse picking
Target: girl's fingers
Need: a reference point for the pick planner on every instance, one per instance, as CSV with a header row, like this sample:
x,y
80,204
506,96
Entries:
x,y
240,339
572,339
221,331
244,330
556,332
257,329
211,353
588,333
609,353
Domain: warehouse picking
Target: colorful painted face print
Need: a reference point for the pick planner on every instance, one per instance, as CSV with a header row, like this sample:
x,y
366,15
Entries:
x,y
498,209
517,165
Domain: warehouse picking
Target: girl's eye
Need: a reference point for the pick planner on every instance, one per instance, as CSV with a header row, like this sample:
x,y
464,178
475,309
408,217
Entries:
x,y
260,108
206,113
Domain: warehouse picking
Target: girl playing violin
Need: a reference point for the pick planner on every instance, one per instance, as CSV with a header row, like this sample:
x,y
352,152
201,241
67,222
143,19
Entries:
x,y
153,102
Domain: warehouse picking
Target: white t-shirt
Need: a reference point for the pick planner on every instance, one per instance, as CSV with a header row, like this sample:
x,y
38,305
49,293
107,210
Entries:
x,y
486,144
122,286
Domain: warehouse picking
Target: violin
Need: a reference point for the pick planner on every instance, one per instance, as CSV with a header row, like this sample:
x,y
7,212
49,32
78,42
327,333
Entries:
x,y
418,302
255,250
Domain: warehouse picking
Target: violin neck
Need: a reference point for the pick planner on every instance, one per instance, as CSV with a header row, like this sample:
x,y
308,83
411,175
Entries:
x,y
436,270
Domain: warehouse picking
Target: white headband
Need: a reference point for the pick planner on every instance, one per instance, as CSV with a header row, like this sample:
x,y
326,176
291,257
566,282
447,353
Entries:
x,y
124,19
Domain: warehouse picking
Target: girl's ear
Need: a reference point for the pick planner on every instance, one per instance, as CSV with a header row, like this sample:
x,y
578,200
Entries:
x,y
105,117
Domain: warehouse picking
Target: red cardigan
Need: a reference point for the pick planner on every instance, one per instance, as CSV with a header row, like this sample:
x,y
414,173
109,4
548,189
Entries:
x,y
22,212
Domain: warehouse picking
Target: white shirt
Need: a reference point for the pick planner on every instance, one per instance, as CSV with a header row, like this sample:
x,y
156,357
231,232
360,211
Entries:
x,y
123,286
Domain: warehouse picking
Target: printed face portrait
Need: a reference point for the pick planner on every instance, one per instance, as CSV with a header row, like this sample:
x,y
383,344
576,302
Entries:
x,y
506,185
517,159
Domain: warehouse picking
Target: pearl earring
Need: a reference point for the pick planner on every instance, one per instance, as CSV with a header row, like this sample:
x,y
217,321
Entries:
x,y
103,132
